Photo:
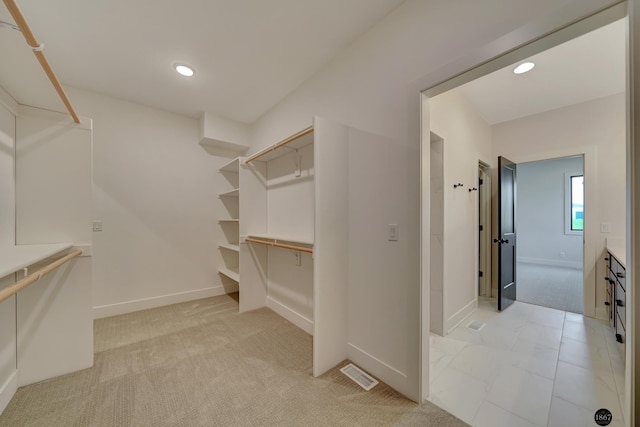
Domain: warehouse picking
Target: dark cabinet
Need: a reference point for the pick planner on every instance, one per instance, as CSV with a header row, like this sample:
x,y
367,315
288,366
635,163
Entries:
x,y
616,299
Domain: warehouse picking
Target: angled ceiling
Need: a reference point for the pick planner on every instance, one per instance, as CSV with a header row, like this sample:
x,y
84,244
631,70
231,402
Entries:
x,y
248,54
585,68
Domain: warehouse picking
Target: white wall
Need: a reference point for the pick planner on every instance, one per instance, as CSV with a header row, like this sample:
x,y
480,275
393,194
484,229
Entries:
x,y
596,128
290,213
436,235
7,177
8,342
467,139
155,189
373,85
540,213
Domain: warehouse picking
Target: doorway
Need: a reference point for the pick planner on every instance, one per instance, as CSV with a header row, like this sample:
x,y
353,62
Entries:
x,y
539,149
550,213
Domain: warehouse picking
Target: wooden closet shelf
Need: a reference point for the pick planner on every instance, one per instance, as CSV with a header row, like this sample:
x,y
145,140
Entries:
x,y
299,140
285,243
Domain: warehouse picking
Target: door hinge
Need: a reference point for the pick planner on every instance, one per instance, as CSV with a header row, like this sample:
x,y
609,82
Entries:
x,y
481,228
481,181
481,274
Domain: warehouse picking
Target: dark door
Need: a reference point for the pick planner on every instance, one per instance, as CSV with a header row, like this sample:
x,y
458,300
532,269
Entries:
x,y
507,228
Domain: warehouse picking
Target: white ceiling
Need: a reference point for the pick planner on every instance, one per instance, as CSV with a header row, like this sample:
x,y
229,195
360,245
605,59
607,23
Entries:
x,y
582,69
248,54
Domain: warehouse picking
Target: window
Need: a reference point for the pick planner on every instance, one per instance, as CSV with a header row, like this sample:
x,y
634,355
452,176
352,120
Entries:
x,y
577,203
574,203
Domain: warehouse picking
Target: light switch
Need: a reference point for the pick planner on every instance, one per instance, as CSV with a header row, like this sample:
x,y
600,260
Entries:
x,y
393,232
605,227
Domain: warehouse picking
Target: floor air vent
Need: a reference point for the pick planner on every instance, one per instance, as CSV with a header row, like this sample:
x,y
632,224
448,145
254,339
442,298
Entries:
x,y
363,379
475,325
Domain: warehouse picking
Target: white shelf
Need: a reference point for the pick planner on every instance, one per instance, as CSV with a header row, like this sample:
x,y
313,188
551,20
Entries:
x,y
223,145
232,193
230,247
232,220
232,273
15,258
270,153
232,166
281,238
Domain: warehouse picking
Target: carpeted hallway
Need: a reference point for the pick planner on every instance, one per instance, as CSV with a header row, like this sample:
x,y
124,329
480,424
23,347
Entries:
x,y
201,363
548,286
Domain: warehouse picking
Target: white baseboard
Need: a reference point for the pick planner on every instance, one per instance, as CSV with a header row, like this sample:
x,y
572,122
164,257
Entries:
x,y
451,323
8,390
376,367
601,313
551,262
160,301
296,318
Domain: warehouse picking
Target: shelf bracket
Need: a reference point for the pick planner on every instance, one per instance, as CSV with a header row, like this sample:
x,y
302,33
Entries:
x,y
298,161
298,256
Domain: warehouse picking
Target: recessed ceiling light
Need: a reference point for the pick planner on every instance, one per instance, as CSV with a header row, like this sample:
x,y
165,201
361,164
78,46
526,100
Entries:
x,y
524,67
184,70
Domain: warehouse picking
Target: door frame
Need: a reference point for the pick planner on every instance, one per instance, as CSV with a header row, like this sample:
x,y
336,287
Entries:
x,y
526,41
591,228
484,237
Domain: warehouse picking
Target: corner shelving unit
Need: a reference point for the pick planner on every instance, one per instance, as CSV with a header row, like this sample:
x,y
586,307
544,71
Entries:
x,y
230,249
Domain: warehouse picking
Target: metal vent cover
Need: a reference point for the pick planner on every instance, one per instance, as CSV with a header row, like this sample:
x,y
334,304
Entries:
x,y
476,325
360,377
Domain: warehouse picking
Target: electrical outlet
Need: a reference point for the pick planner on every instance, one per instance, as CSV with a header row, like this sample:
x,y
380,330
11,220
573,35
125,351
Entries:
x,y
563,255
97,226
605,227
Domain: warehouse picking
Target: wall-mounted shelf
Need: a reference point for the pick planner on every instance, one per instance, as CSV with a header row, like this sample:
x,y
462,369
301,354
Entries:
x,y
223,145
230,247
281,242
299,140
232,193
233,166
232,273
15,258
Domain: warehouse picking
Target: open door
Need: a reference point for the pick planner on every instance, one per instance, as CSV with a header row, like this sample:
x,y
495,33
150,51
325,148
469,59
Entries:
x,y
507,229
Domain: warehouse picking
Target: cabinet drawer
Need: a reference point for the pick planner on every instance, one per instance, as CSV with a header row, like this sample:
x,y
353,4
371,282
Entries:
x,y
609,303
621,304
617,271
621,337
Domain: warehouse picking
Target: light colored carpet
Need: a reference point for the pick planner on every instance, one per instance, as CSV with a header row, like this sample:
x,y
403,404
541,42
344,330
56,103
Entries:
x,y
201,363
553,287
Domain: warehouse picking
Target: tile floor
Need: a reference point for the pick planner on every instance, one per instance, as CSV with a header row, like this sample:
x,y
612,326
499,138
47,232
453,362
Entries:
x,y
528,366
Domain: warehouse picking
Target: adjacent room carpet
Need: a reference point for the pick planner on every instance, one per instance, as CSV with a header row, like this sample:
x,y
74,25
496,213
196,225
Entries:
x,y
201,363
553,287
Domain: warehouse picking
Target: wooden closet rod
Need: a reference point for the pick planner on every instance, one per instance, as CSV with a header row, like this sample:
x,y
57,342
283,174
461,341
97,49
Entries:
x,y
34,277
21,22
280,245
280,144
